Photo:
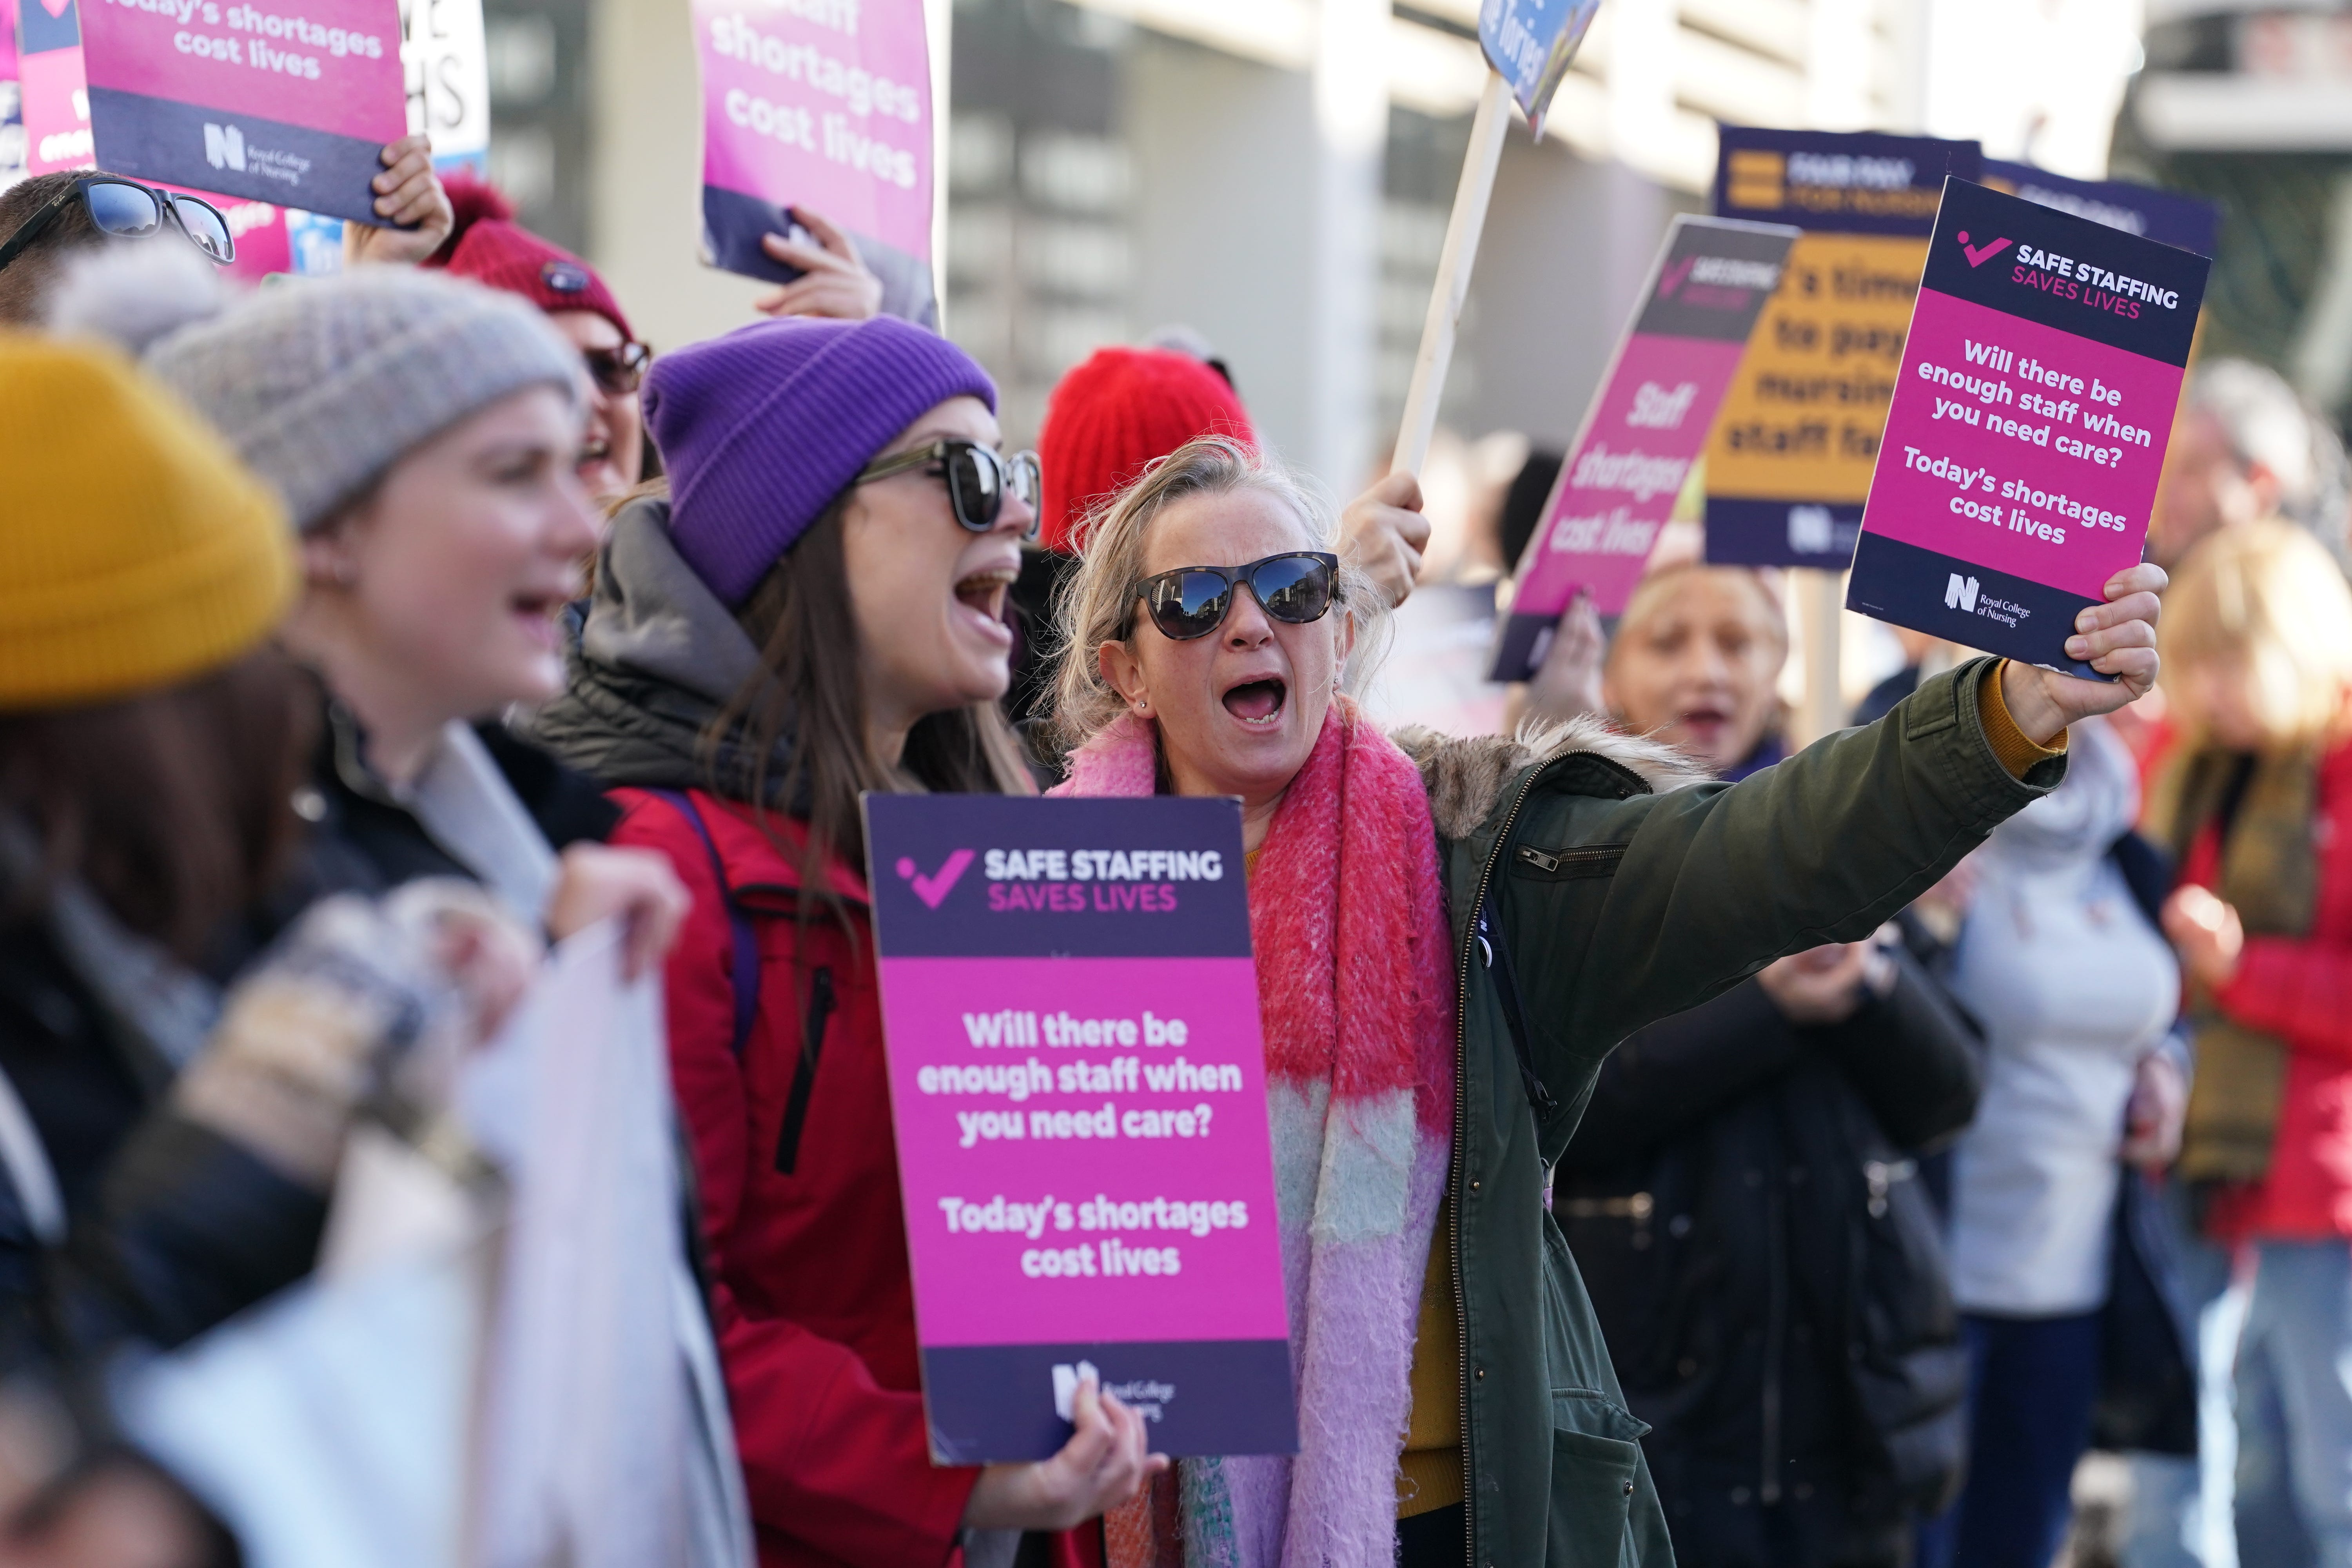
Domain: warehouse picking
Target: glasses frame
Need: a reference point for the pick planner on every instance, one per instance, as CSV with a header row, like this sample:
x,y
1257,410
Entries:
x,y
166,205
630,358
1246,574
934,460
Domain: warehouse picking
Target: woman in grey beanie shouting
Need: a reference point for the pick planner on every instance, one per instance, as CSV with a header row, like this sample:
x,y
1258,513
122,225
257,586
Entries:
x,y
421,430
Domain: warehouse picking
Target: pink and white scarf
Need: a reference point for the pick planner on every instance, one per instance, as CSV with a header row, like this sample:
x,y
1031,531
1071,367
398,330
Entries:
x,y
1355,980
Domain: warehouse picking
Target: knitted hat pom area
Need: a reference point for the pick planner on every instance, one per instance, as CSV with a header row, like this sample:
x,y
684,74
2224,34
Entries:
x,y
489,246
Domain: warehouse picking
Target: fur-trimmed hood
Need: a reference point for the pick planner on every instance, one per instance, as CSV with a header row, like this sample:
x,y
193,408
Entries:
x,y
1466,775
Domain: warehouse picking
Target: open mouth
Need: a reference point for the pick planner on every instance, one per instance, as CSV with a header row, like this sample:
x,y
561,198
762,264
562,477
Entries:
x,y
595,449
1259,701
984,593
538,612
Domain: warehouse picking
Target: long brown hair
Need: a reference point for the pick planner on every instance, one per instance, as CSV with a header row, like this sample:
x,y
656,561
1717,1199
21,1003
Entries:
x,y
174,807
795,735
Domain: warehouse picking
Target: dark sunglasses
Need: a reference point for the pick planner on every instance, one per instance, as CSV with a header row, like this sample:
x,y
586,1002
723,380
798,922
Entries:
x,y
128,210
978,479
1192,601
618,372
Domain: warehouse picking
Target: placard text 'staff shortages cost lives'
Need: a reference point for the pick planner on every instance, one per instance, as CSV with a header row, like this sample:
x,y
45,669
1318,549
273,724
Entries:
x,y
2029,425
1077,1086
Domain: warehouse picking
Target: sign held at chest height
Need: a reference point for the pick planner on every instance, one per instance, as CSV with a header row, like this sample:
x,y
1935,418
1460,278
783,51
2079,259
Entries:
x,y
1078,1088
2029,425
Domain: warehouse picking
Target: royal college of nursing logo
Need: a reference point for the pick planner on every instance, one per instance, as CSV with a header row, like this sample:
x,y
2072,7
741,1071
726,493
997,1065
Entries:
x,y
1960,593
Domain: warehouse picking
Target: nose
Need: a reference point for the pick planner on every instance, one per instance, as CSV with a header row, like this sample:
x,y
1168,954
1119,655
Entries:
x,y
574,529
1246,625
1014,515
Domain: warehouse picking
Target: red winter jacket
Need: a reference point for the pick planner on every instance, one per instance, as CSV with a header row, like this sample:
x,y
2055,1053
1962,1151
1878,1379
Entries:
x,y
2299,990
800,1201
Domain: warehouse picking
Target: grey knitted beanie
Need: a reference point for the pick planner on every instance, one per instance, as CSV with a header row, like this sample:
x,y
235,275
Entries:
x,y
322,384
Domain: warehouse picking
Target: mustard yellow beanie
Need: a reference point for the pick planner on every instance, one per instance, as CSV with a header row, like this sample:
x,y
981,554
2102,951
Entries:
x,y
134,552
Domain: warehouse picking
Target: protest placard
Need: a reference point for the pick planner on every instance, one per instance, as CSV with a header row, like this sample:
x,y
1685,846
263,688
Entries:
x,y
1530,43
1791,457
1644,428
2028,424
259,104
2169,217
445,62
55,102
1077,1088
12,100
823,104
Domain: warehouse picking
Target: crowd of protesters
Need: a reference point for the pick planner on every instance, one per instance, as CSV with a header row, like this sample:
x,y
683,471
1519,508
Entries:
x,y
1709,1149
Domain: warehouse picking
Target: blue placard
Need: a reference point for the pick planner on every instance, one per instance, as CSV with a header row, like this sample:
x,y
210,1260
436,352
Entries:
x,y
1530,42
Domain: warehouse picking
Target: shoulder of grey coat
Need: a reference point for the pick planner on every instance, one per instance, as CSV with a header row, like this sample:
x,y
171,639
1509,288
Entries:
x,y
1466,775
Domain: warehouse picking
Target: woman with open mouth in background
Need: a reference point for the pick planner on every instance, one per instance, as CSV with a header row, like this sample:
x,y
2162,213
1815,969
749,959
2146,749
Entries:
x,y
1449,943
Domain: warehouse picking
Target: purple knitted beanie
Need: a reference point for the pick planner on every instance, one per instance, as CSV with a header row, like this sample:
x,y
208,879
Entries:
x,y
760,428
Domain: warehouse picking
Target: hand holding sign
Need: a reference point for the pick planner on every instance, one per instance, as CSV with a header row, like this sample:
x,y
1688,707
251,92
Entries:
x,y
1107,1459
414,210
2116,638
833,280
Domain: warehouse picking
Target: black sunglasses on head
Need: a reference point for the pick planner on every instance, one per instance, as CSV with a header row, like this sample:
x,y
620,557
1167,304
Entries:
x,y
128,210
618,372
978,479
1192,601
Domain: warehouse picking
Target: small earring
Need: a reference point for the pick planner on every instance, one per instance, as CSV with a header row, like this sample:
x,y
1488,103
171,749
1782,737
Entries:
x,y
1143,705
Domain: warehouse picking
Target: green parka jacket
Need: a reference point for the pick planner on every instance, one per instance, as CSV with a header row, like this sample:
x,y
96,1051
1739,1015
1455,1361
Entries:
x,y
1626,891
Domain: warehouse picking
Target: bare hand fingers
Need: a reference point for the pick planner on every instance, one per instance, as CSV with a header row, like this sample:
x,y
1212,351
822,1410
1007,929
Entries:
x,y
808,258
2146,577
839,244
2141,605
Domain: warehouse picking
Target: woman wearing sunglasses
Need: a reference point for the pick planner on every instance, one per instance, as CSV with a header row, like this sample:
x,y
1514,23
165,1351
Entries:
x,y
1449,943
48,218
811,606
488,246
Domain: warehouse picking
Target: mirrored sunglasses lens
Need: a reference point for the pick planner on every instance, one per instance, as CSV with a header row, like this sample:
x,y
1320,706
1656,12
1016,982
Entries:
x,y
1296,588
972,479
207,227
122,210
1191,604
1026,479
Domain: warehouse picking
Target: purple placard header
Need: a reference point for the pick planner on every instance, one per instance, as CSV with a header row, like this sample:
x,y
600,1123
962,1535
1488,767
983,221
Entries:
x,y
1003,875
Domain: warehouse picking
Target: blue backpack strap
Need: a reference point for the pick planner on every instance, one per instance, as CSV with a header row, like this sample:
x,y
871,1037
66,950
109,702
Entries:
x,y
739,924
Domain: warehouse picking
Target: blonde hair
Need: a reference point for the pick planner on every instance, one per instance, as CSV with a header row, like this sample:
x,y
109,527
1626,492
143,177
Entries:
x,y
1096,604
2270,595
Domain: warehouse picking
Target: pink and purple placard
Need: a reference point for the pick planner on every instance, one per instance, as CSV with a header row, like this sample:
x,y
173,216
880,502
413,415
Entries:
x,y
1646,427
821,105
252,98
1078,1094
2028,426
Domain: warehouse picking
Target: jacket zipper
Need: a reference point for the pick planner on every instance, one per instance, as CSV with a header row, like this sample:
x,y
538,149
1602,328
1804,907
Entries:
x,y
1454,1186
819,1010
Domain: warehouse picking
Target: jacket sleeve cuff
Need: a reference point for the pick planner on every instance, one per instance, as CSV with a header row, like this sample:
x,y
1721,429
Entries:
x,y
2016,752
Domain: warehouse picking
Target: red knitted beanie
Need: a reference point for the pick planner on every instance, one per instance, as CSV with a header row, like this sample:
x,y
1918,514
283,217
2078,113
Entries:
x,y
490,247
1115,414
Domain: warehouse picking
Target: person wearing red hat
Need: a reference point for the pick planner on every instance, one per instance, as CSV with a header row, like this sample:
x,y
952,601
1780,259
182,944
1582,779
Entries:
x,y
1111,417
487,244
